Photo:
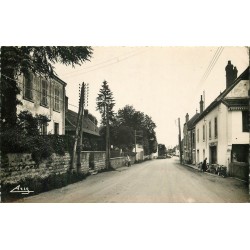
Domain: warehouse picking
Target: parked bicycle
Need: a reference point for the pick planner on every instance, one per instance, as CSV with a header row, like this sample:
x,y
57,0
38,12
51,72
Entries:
x,y
213,168
222,171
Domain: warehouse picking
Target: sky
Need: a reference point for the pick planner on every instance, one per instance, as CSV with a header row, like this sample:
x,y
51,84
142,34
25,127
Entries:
x,y
163,82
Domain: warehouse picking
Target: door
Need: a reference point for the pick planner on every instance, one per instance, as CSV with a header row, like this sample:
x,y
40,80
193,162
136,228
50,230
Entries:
x,y
213,154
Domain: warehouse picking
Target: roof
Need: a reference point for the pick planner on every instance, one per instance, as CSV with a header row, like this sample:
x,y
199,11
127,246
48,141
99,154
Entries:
x,y
88,126
59,80
191,122
219,98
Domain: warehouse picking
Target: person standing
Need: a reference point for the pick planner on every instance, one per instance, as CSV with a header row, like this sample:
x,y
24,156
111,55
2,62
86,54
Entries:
x,y
128,160
204,165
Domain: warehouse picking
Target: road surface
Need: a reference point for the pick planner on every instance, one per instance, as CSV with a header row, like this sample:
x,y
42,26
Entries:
x,y
162,180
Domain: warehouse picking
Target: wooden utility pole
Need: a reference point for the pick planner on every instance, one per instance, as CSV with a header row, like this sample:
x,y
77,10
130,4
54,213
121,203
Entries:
x,y
79,144
78,124
179,125
135,145
107,137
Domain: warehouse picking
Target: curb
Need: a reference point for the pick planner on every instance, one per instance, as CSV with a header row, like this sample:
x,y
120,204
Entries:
x,y
201,171
214,174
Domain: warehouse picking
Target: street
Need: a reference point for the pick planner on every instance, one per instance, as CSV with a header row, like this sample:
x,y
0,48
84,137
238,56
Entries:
x,y
156,181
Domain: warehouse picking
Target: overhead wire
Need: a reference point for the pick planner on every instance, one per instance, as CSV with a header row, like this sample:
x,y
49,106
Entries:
x,y
119,60
102,62
40,92
212,63
209,69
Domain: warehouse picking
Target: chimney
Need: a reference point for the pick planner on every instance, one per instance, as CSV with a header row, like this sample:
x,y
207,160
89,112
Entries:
x,y
231,74
235,73
187,117
201,105
86,113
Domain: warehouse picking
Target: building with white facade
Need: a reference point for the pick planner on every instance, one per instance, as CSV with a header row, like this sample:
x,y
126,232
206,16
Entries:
x,y
46,97
222,129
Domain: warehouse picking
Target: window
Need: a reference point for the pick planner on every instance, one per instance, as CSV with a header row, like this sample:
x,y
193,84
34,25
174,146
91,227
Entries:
x,y
43,129
56,98
193,137
245,121
215,128
210,130
203,132
44,93
56,128
197,135
28,87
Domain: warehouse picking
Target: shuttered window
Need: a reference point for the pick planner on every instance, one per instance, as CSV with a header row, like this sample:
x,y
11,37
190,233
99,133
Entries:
x,y
44,93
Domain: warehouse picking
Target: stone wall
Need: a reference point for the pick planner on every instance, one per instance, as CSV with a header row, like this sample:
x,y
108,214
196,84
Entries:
x,y
120,161
117,162
16,167
99,160
84,158
20,170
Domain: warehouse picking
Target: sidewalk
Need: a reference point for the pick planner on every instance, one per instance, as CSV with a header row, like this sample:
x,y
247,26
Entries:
x,y
191,166
196,168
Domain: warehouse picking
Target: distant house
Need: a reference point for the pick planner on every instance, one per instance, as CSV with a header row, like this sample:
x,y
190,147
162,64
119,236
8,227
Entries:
x,y
222,129
139,152
44,97
189,139
90,129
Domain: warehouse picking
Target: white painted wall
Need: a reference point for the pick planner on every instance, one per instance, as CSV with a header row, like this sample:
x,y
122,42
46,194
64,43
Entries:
x,y
35,108
238,137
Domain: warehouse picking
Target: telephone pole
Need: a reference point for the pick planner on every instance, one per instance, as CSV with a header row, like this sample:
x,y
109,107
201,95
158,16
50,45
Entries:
x,y
79,118
107,135
135,145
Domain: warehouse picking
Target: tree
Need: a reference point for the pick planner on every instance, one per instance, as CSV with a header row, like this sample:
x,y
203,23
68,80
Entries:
x,y
105,100
136,120
18,60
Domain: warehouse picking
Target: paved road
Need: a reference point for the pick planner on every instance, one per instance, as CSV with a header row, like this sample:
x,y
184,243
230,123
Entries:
x,y
162,180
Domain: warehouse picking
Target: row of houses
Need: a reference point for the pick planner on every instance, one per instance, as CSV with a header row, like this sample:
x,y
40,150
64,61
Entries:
x,y
48,97
220,132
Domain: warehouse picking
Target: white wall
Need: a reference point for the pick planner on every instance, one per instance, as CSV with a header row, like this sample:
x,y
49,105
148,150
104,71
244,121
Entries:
x,y
220,141
238,137
35,108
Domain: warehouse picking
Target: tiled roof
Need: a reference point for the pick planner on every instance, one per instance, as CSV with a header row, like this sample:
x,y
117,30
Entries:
x,y
191,122
219,99
88,126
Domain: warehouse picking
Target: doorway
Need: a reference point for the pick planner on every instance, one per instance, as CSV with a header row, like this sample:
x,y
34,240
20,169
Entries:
x,y
213,154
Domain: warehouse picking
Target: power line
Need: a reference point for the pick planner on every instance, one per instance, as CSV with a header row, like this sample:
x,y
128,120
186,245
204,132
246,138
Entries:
x,y
102,62
212,63
119,60
48,95
209,69
205,73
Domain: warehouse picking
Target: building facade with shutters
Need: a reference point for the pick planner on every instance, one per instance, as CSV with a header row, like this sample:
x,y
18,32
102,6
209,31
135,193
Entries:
x,y
222,129
46,97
